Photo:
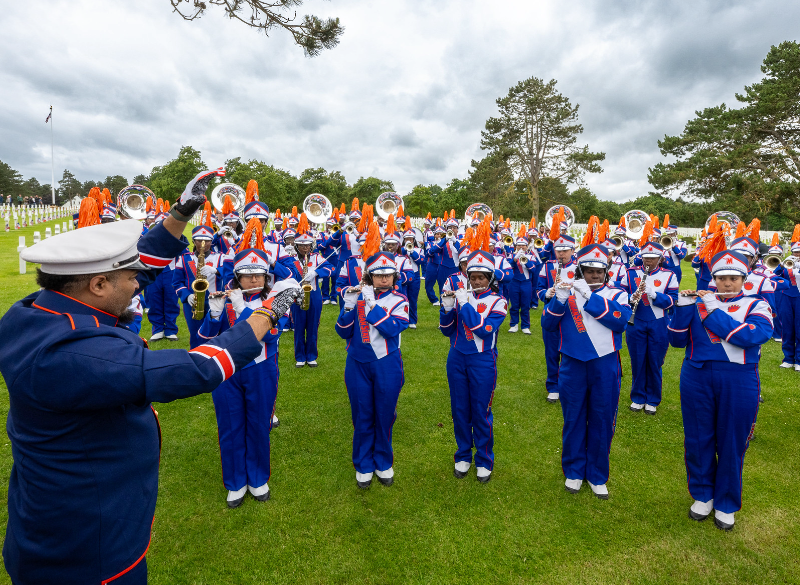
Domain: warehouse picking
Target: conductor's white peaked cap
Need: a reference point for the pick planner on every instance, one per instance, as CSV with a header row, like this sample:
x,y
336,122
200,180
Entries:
x,y
90,250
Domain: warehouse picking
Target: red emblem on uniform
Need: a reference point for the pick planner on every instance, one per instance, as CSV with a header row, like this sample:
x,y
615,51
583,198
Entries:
x,y
481,307
488,328
385,262
570,274
748,285
657,282
617,314
733,308
405,308
751,326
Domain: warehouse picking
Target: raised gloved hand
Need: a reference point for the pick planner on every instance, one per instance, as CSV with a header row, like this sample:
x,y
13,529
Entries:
x,y
237,300
310,276
550,293
462,296
194,196
582,288
562,294
368,294
711,302
208,271
448,302
191,300
650,290
216,305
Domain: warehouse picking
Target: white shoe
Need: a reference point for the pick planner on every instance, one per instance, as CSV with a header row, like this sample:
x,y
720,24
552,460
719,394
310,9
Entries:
x,y
436,304
385,474
797,367
260,493
172,337
723,521
700,510
526,331
363,480
777,339
463,466
299,364
236,497
312,364
275,420
783,365
412,326
573,486
483,474
157,336
636,407
649,409
146,311
601,491
552,397
513,329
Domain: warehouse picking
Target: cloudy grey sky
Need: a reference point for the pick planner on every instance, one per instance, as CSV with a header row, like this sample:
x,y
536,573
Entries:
x,y
403,97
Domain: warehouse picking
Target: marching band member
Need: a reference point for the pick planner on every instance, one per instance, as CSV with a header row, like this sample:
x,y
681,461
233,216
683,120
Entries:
x,y
789,305
371,322
653,290
413,256
471,319
589,317
552,272
722,334
699,264
678,251
331,254
446,249
460,278
524,265
433,258
427,235
617,268
307,267
245,403
185,273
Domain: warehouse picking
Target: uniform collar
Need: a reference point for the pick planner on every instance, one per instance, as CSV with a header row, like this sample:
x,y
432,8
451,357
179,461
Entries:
x,y
487,292
59,303
731,299
380,295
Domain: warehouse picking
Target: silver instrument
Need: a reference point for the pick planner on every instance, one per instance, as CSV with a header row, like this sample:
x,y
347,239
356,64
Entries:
x,y
317,208
635,220
237,195
569,216
133,201
388,203
480,208
618,242
725,218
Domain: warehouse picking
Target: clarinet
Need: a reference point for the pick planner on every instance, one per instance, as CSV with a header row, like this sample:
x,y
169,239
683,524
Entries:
x,y
639,291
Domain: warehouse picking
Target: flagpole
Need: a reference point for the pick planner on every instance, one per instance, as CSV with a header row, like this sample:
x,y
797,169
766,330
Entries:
x,y
52,160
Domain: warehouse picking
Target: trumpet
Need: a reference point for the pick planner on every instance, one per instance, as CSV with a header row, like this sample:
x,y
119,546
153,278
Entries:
x,y
789,263
409,245
618,242
638,294
305,287
772,261
227,293
667,241
538,242
335,229
508,241
451,234
469,289
350,227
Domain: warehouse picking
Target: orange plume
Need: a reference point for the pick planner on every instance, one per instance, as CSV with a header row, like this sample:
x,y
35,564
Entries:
x,y
294,211
251,192
88,214
523,231
148,205
646,233
160,205
95,194
373,241
400,212
740,229
167,205
206,215
303,226
714,245
482,240
796,234
106,195
429,215
666,221
655,221
355,206
390,225
438,221
278,214
252,238
467,240
590,237
452,214
555,227
336,214
408,222
533,223
713,225
754,230
776,239
603,235
227,205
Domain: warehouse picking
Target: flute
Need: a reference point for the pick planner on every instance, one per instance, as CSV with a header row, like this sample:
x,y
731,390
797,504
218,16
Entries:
x,y
693,293
452,293
227,293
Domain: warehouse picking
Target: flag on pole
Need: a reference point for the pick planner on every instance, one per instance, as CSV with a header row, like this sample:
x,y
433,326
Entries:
x,y
50,115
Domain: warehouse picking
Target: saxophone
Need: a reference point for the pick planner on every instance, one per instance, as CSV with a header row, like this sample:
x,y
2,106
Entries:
x,y
200,286
306,287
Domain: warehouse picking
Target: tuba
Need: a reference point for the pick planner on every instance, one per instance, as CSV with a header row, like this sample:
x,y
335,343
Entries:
x,y
237,194
481,209
133,201
317,208
725,218
387,204
635,220
569,216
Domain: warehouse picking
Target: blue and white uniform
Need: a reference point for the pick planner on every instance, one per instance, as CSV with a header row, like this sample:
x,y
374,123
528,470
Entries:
x,y
521,285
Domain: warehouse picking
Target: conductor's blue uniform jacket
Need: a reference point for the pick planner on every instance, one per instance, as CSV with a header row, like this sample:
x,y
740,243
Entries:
x,y
84,438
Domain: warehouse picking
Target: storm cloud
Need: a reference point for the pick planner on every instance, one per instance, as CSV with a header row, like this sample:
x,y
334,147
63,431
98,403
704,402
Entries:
x,y
403,97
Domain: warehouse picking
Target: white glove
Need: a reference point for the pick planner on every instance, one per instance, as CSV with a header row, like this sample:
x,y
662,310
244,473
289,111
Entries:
x,y
350,298
650,290
191,300
562,294
550,292
685,301
310,276
462,296
194,196
289,250
237,300
711,302
448,302
208,271
368,294
216,305
582,288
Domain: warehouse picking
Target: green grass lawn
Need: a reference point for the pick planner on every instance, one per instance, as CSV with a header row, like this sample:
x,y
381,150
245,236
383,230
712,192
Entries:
x,y
432,528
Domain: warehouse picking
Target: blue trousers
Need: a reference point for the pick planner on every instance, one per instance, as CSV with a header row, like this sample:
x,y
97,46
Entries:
x,y
373,389
789,313
777,327
431,271
163,304
505,290
412,292
521,294
244,404
719,403
442,275
647,343
193,325
472,379
306,328
589,393
328,286
552,357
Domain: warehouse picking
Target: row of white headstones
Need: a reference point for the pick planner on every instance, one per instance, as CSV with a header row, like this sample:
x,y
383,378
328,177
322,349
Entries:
x,y
37,237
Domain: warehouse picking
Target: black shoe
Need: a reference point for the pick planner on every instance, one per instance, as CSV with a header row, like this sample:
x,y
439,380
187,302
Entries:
x,y
695,516
722,525
387,481
484,479
236,503
552,400
760,398
276,424
263,497
363,484
460,474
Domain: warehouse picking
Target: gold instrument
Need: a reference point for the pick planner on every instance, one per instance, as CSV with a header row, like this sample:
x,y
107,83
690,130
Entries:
x,y
618,242
200,285
388,203
569,216
667,242
317,208
306,287
635,220
409,245
538,242
350,227
335,228
133,201
237,195
480,208
451,233
508,241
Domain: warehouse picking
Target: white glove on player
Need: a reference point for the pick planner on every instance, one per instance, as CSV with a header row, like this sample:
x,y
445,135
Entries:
x,y
711,302
368,294
237,300
208,271
562,294
191,300
685,301
462,296
582,288
216,305
448,302
650,290
550,293
289,250
350,298
310,276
